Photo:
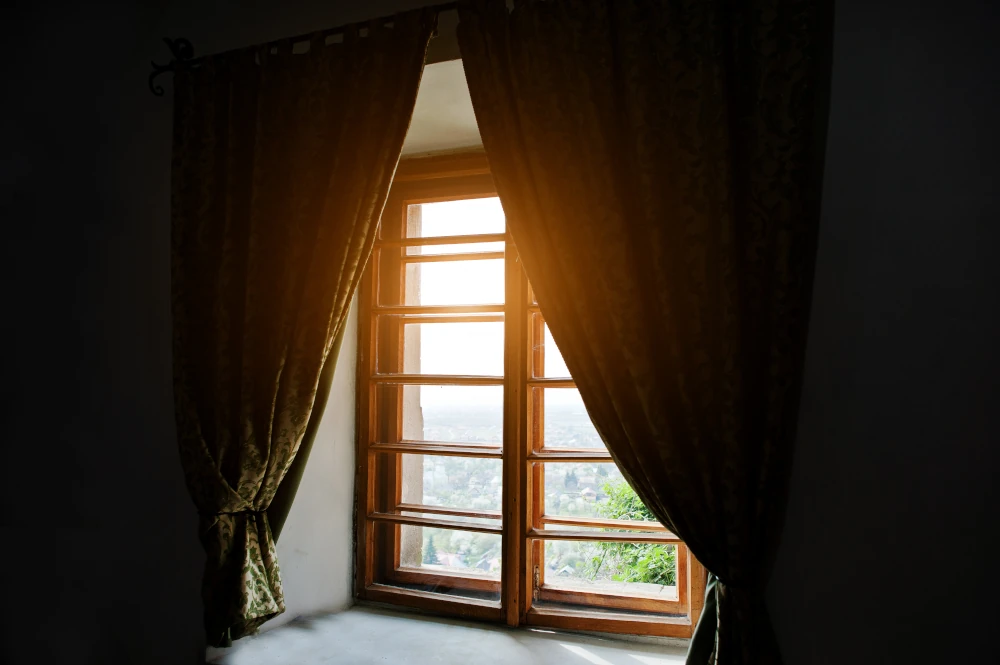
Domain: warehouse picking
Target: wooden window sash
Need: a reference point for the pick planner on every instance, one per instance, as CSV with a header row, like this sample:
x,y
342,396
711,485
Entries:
x,y
457,256
406,310
437,379
664,537
522,519
442,166
604,621
466,608
612,601
551,383
600,523
570,455
441,510
516,491
635,601
411,319
446,581
439,448
554,597
389,446
430,241
436,522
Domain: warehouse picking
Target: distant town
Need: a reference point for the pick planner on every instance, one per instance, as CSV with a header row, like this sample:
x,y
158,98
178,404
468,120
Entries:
x,y
462,482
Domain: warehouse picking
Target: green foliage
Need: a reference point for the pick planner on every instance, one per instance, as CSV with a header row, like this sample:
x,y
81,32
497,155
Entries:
x,y
651,563
623,503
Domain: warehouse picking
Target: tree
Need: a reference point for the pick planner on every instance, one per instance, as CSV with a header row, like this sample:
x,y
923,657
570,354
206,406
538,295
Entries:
x,y
652,563
430,552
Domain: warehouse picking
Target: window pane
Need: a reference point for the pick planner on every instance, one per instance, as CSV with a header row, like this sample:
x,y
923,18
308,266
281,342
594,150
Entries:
x,y
459,414
566,423
579,489
452,218
467,553
452,482
553,365
456,249
455,283
645,570
586,489
448,348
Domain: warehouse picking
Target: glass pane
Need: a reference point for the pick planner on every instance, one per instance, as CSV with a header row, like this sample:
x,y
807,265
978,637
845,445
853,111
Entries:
x,y
586,489
473,348
452,218
468,553
566,422
646,570
553,365
455,283
456,249
454,414
452,482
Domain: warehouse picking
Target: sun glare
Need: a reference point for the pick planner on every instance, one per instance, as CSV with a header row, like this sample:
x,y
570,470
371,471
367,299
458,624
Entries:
x,y
474,347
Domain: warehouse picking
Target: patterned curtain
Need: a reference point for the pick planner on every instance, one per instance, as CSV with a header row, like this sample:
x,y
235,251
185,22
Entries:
x,y
282,163
659,164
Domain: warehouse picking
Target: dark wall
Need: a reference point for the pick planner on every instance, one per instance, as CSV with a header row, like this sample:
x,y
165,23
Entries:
x,y
100,559
885,557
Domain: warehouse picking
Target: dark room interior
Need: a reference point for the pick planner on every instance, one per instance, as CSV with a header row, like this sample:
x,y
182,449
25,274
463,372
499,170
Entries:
x,y
886,546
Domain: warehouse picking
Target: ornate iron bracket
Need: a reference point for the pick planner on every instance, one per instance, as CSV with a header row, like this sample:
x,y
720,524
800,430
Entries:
x,y
183,52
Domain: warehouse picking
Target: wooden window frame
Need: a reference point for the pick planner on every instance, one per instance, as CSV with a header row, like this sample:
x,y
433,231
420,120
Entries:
x,y
524,598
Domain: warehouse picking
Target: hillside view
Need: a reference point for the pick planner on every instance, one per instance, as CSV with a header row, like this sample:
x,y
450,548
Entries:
x,y
571,489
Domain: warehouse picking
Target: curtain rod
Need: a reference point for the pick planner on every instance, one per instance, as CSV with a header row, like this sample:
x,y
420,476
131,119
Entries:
x,y
183,51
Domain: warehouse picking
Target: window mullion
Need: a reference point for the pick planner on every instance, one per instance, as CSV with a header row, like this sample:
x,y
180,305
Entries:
x,y
514,440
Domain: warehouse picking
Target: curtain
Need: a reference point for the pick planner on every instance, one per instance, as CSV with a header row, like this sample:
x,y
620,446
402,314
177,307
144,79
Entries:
x,y
659,164
282,163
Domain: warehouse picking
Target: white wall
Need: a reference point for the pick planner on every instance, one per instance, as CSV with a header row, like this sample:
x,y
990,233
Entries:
x,y
316,550
443,118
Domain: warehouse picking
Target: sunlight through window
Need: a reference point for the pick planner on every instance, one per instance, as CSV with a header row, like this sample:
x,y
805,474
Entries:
x,y
463,397
585,654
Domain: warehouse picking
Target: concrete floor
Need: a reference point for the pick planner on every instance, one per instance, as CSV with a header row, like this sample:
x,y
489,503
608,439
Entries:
x,y
364,635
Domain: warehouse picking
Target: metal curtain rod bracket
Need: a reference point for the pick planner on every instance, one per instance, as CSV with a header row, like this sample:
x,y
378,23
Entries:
x,y
183,51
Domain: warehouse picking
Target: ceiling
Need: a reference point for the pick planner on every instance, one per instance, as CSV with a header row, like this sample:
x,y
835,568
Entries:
x,y
443,118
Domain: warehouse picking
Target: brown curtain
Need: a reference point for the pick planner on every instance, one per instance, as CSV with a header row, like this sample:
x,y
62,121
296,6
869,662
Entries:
x,y
659,166
282,163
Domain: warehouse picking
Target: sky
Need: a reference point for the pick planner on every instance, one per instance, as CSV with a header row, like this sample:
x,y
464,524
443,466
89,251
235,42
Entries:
x,y
469,348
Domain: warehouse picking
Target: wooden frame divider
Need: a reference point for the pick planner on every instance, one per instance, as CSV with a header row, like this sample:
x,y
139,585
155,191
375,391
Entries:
x,y
521,596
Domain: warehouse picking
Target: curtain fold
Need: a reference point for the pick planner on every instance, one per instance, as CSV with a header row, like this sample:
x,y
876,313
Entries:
x,y
659,164
282,163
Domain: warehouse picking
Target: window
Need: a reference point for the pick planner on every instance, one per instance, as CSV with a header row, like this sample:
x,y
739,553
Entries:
x,y
483,487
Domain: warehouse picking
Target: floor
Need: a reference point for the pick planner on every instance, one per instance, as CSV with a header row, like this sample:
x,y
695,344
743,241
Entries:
x,y
364,635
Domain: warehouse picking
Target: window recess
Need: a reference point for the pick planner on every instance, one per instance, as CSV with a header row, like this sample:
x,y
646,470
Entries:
x,y
484,490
